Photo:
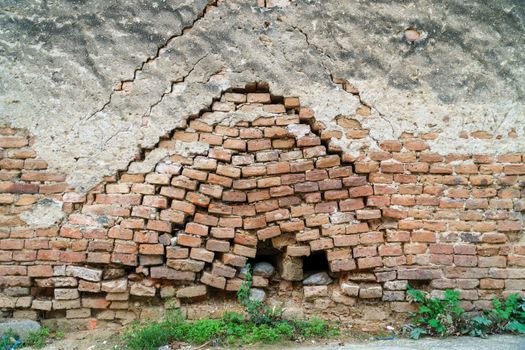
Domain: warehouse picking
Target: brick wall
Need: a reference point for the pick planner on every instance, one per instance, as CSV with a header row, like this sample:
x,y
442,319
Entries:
x,y
185,225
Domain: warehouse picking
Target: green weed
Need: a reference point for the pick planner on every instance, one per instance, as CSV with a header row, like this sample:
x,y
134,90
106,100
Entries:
x,y
258,324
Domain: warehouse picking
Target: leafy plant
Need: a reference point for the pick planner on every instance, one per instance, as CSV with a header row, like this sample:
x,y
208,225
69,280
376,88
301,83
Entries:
x,y
508,314
444,317
436,316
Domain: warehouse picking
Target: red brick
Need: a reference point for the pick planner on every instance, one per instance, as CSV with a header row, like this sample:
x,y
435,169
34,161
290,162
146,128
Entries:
x,y
335,195
222,232
10,187
220,180
124,259
158,225
218,245
158,179
11,244
330,184
367,214
281,191
226,131
230,222
172,192
244,251
234,196
198,199
254,223
277,215
259,145
188,241
326,207
423,236
238,145
13,142
313,152
184,182
269,232
205,219
40,271
196,229
371,237
202,254
151,249
328,162
177,252
198,175
361,191
278,168
321,244
126,247
301,166
220,153
269,182
155,201
514,169
213,281
346,240
172,216
245,184
308,141
72,257
210,139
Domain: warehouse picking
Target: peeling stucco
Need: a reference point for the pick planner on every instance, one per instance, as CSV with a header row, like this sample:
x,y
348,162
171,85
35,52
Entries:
x,y
45,213
95,82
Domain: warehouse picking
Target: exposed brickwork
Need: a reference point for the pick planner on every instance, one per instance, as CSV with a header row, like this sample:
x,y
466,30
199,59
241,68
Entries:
x,y
402,213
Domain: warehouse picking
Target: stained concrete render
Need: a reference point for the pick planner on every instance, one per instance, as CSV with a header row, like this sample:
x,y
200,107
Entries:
x,y
62,65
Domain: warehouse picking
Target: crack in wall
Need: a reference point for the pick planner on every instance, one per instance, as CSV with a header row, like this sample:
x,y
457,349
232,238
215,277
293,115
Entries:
x,y
201,15
354,91
175,82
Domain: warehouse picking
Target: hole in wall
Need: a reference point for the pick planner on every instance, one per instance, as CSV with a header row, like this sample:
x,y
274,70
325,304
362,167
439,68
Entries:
x,y
266,253
420,284
315,262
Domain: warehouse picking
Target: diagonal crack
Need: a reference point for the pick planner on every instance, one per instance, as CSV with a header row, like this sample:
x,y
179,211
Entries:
x,y
353,91
211,3
317,48
174,82
356,93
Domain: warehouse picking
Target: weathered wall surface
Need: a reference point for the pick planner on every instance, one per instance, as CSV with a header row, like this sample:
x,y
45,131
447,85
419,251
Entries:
x,y
424,144
258,179
62,64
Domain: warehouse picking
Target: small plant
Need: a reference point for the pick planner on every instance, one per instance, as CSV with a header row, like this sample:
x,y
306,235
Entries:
x,y
59,335
258,312
37,339
444,317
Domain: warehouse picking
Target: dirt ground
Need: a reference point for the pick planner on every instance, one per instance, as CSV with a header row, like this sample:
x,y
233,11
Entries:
x,y
108,340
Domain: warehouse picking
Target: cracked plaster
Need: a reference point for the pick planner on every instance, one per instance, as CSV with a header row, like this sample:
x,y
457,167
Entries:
x,y
94,82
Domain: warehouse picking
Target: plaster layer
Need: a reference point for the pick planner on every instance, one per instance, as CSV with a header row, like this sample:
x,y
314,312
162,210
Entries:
x,y
94,82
